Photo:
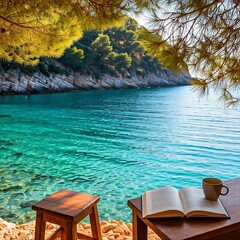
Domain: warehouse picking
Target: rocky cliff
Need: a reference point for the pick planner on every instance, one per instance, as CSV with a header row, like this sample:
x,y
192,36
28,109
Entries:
x,y
17,82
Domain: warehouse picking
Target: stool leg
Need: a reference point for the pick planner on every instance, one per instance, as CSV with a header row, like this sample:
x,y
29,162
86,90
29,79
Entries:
x,y
95,225
71,231
64,233
40,227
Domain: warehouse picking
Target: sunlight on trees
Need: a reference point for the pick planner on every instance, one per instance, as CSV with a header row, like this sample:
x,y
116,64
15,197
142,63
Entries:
x,y
204,34
30,29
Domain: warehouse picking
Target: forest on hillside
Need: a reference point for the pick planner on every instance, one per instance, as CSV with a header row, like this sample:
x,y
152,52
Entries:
x,y
116,51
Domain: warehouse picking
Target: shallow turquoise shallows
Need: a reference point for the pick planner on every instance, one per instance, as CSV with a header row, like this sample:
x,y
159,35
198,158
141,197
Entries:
x,y
116,144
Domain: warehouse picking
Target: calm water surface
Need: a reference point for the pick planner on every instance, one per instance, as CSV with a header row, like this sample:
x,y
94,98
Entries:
x,y
116,144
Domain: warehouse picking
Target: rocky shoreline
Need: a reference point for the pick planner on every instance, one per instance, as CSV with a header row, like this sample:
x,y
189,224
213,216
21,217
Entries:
x,y
111,230
15,81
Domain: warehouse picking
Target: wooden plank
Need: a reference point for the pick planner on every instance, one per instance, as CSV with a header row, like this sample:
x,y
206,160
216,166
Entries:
x,y
55,218
56,234
83,236
66,202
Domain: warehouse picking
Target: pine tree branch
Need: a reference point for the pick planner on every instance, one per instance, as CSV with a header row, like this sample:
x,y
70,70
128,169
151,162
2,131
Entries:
x,y
18,24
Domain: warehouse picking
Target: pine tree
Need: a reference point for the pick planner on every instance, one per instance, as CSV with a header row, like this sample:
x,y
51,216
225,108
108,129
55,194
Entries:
x,y
30,29
206,35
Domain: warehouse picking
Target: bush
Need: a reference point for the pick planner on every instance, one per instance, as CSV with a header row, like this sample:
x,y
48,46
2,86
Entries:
x,y
28,69
8,65
140,72
73,58
1,69
52,68
42,68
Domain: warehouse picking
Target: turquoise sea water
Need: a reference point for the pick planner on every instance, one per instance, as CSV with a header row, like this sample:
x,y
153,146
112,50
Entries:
x,y
116,144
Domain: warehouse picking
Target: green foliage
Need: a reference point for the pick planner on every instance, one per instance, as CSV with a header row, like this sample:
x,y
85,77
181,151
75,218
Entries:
x,y
114,51
7,65
53,68
122,38
121,62
43,69
1,69
33,29
140,72
101,46
73,57
28,69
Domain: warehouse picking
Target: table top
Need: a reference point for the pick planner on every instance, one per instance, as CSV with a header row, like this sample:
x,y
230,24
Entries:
x,y
66,202
197,228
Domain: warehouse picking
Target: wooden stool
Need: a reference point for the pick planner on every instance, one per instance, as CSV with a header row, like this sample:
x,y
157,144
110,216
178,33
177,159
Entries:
x,y
67,209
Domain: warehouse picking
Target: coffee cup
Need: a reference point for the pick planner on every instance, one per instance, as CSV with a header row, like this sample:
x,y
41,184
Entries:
x,y
212,188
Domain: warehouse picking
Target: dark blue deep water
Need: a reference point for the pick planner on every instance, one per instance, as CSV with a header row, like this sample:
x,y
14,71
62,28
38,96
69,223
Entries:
x,y
116,144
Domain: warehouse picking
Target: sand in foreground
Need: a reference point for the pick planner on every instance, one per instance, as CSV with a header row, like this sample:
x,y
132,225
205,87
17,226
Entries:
x,y
111,230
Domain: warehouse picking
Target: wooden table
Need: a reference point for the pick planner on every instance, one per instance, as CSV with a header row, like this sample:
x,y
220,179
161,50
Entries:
x,y
192,228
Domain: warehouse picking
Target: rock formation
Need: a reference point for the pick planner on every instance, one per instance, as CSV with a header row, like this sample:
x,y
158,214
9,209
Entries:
x,y
16,82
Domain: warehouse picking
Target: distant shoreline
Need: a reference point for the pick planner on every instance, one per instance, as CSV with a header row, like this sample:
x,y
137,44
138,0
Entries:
x,y
14,82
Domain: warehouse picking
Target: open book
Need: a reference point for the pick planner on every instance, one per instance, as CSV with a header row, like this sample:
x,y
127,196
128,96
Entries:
x,y
189,202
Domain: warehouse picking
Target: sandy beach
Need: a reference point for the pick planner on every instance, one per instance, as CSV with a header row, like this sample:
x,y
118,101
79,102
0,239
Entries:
x,y
110,230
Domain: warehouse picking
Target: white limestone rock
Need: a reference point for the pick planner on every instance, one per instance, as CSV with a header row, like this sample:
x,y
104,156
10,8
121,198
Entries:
x,y
16,82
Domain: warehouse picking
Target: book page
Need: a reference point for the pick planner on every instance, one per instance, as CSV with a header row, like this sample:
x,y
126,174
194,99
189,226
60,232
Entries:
x,y
160,200
193,200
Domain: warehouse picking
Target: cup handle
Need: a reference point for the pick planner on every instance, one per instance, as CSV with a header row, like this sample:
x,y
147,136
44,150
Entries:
x,y
227,190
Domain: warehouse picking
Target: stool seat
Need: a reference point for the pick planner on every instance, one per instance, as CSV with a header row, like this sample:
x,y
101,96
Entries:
x,y
67,208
